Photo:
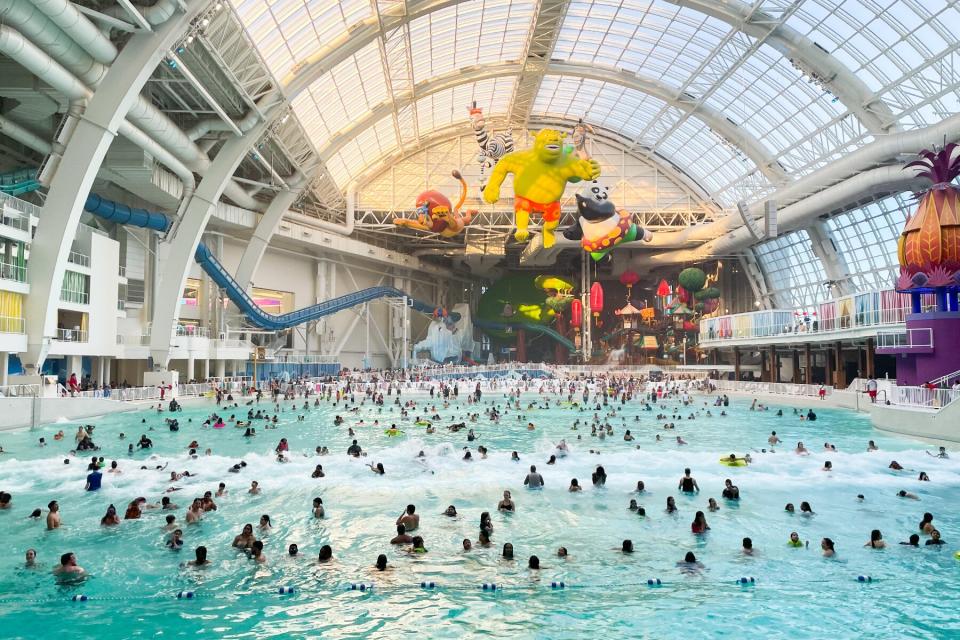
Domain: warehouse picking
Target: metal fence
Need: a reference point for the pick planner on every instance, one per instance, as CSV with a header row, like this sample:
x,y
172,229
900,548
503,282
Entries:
x,y
779,388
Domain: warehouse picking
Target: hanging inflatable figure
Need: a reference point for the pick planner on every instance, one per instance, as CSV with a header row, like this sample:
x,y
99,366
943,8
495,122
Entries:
x,y
492,148
540,176
436,215
579,139
600,225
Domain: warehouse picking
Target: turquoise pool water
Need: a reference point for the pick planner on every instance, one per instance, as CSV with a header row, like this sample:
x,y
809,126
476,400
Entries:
x,y
133,580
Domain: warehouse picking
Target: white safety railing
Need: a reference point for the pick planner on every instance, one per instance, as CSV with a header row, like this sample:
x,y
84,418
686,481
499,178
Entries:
x,y
778,388
923,397
74,296
71,335
908,338
8,203
77,258
11,271
232,344
11,324
134,340
304,359
191,331
20,391
947,380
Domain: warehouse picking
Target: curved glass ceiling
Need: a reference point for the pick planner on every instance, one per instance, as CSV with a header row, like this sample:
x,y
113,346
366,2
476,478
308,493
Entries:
x,y
903,50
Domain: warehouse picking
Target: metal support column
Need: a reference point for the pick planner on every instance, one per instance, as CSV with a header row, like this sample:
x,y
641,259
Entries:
x,y
841,379
871,358
736,363
807,365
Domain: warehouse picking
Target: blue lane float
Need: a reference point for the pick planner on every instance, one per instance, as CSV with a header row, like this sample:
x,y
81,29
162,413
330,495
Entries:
x,y
185,595
79,598
361,586
558,585
285,590
747,580
489,586
864,579
654,582
428,585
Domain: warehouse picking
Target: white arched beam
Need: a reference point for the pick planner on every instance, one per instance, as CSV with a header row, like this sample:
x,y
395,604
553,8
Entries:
x,y
852,92
177,253
82,159
754,149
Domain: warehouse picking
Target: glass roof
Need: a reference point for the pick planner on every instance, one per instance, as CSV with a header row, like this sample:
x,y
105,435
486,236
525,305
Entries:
x,y
901,49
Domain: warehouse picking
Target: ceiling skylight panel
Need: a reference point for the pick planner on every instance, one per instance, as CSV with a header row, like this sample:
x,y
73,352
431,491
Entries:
x,y
703,155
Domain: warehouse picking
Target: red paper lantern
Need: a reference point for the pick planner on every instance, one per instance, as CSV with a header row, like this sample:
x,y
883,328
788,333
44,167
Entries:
x,y
576,313
596,299
664,289
629,278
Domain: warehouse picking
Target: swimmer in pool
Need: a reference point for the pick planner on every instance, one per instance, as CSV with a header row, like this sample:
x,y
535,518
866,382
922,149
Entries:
x,y
690,565
201,558
507,503
409,518
533,480
795,540
688,484
827,546
907,494
246,538
68,566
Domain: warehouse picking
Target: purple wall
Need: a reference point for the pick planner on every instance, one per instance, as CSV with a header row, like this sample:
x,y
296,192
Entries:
x,y
918,365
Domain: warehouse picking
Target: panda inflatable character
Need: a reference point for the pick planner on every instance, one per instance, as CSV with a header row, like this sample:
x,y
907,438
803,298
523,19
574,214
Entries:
x,y
600,225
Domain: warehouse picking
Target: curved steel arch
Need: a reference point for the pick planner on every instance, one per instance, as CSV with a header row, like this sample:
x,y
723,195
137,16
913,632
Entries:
x,y
852,92
762,157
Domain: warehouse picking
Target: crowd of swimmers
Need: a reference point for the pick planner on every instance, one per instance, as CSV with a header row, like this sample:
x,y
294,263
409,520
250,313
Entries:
x,y
577,395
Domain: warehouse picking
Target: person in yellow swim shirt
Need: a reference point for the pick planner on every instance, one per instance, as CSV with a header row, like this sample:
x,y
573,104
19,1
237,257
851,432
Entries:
x,y
794,540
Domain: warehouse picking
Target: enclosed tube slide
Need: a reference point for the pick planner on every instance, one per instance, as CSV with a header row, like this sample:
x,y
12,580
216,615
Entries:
x,y
122,214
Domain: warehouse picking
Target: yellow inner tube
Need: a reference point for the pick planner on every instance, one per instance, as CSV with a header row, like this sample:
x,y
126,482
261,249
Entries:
x,y
423,423
393,432
739,462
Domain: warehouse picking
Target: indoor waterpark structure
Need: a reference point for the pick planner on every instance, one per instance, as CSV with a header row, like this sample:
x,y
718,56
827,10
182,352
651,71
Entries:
x,y
461,318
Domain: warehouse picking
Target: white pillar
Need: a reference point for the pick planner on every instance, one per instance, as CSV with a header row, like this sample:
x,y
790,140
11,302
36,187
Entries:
x,y
74,365
190,364
4,365
99,375
206,369
221,368
107,364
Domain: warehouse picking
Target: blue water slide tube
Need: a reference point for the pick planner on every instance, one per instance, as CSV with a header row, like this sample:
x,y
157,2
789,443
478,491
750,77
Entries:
x,y
265,320
123,214
527,326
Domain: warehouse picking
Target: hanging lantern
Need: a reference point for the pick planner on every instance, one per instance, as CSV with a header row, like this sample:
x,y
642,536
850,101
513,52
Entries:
x,y
664,289
576,313
596,299
628,279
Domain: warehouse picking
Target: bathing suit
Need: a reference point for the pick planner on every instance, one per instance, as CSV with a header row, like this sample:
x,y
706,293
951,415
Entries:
x,y
686,485
550,211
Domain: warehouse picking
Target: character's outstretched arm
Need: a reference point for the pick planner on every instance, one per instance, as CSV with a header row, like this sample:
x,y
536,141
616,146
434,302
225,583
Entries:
x,y
507,164
419,224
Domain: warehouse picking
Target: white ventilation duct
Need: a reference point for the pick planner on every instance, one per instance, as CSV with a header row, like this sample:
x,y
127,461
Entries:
x,y
861,186
882,150
344,229
159,13
24,137
66,16
14,45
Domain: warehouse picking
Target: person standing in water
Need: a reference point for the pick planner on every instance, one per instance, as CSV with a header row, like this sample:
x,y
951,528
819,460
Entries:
x,y
688,483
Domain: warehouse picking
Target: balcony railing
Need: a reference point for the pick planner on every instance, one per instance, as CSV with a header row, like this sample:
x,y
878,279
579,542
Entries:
x,y
134,340
75,297
77,258
870,309
8,203
922,397
11,324
15,272
920,338
121,305
72,335
14,219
